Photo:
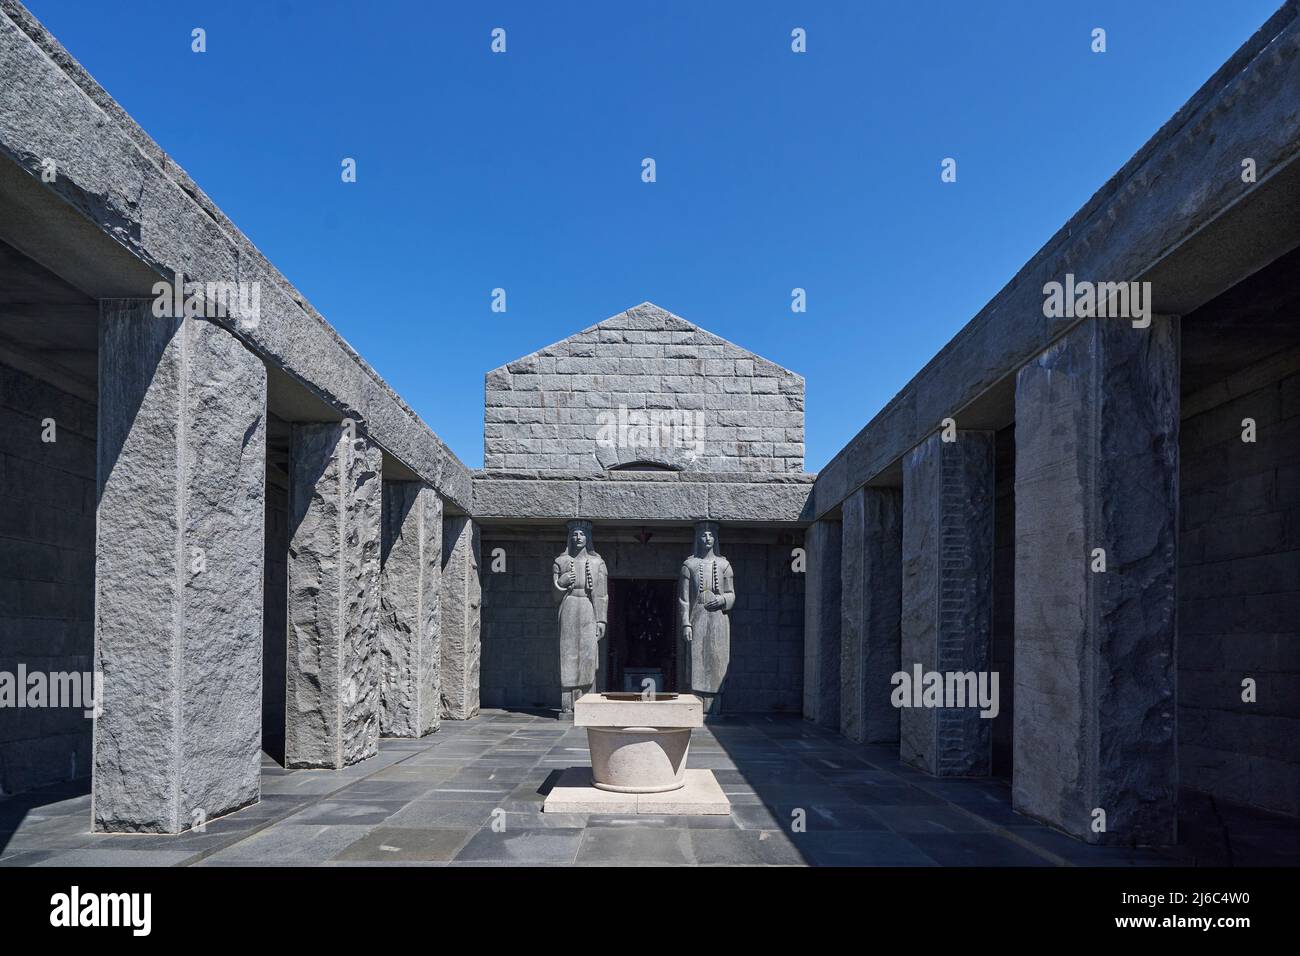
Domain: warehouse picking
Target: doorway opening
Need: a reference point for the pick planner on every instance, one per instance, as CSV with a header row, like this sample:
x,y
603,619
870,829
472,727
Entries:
x,y
641,638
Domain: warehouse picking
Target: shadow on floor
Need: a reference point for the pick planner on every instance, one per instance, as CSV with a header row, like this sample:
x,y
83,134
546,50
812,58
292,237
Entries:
x,y
471,795
50,816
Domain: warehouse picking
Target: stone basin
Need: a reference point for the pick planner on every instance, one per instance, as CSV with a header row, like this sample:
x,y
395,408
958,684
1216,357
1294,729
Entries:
x,y
638,743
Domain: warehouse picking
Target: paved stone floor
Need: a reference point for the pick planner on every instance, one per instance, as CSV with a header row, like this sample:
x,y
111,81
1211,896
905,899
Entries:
x,y
433,802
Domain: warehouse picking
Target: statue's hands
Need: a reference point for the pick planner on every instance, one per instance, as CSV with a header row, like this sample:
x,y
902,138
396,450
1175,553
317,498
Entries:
x,y
567,579
686,632
713,602
600,629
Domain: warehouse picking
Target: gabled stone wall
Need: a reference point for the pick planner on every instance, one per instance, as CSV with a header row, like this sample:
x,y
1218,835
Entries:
x,y
736,412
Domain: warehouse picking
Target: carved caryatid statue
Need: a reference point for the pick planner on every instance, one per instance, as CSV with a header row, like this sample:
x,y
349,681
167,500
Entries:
x,y
706,593
582,583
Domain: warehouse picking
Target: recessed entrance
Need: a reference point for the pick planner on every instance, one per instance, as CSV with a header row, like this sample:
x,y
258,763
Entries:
x,y
642,636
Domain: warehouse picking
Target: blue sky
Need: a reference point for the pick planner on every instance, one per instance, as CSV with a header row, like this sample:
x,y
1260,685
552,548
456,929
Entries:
x,y
775,170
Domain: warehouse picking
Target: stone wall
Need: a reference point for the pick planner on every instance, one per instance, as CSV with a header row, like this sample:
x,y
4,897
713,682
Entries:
x,y
521,637
520,664
47,572
543,411
1239,599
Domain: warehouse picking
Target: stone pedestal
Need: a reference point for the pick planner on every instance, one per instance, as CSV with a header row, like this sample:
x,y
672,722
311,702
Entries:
x,y
947,595
1097,468
639,749
410,590
821,625
332,699
871,605
178,574
462,598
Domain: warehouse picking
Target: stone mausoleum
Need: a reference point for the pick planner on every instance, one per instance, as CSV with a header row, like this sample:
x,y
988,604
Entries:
x,y
262,549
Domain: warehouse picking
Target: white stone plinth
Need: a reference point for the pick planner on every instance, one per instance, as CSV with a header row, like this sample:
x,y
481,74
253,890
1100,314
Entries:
x,y
698,795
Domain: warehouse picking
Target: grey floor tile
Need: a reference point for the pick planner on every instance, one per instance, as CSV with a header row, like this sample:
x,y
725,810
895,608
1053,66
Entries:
x,y
635,846
929,818
290,845
975,849
443,814
25,857
522,846
103,857
744,848
860,848
346,812
397,844
535,819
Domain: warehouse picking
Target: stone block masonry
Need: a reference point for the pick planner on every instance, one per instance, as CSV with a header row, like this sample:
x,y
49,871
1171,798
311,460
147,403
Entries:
x,y
1239,597
182,461
545,411
332,698
47,571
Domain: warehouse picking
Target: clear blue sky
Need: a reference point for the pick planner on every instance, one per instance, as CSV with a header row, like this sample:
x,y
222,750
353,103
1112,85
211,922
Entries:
x,y
775,170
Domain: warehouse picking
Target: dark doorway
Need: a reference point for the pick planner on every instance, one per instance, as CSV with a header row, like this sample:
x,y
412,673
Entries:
x,y
642,638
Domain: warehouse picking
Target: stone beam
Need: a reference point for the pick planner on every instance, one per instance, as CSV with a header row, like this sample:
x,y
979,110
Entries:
x,y
178,571
410,593
332,698
821,625
871,607
462,597
1097,481
947,603
678,497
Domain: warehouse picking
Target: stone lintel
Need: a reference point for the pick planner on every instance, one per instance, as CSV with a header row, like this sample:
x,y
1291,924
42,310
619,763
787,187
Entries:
x,y
675,498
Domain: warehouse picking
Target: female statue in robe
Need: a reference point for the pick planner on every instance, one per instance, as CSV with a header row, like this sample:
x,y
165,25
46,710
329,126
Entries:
x,y
706,594
582,583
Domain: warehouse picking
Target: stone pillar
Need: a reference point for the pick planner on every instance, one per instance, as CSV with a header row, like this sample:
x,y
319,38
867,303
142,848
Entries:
x,y
947,604
178,571
332,686
462,597
871,603
821,625
1097,471
410,591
